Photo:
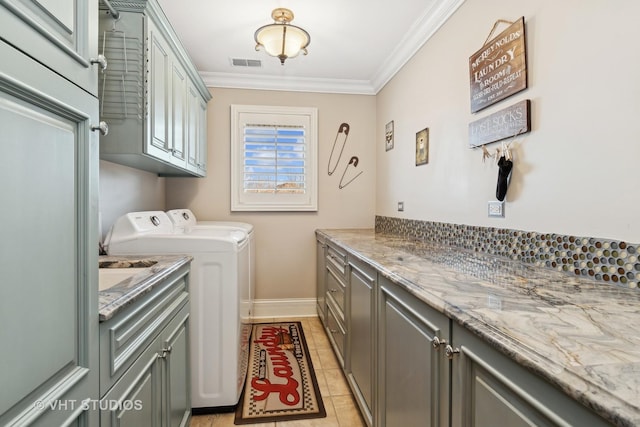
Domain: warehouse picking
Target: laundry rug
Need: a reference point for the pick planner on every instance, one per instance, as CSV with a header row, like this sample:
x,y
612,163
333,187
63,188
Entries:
x,y
281,384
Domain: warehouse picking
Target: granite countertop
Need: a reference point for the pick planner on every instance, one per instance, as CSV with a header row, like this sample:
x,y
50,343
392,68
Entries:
x,y
126,292
579,334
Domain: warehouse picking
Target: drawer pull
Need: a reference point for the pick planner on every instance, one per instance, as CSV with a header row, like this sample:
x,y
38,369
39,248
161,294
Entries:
x,y
437,342
103,127
164,352
333,331
100,60
333,290
450,351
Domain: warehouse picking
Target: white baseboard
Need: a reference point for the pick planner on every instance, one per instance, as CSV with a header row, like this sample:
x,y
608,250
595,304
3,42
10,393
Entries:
x,y
271,308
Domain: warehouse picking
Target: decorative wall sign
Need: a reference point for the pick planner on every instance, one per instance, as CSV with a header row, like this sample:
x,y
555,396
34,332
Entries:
x,y
510,121
422,147
499,69
342,135
388,135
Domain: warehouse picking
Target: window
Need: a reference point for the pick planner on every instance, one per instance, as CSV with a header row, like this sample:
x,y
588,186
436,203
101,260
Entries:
x,y
273,158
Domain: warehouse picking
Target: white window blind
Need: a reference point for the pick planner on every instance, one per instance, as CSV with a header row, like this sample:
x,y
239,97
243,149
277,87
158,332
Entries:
x,y
273,158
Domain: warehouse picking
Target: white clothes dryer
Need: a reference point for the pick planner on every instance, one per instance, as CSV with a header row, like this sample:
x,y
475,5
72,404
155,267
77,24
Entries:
x,y
185,221
219,334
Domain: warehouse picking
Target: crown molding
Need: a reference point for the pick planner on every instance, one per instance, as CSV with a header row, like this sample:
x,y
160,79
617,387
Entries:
x,y
417,35
286,83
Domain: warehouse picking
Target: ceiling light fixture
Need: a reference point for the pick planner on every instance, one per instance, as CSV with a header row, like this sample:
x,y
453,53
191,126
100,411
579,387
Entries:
x,y
282,39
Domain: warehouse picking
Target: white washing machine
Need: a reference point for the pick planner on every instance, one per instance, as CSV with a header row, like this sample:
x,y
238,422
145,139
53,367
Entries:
x,y
185,221
219,274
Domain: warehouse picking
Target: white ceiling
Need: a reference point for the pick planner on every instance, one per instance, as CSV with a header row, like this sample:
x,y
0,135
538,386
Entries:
x,y
356,45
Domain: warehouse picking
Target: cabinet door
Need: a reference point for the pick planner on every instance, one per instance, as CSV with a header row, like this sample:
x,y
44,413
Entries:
x,y
48,255
159,61
62,34
135,400
197,132
202,137
178,140
178,401
192,128
361,327
321,281
488,390
413,375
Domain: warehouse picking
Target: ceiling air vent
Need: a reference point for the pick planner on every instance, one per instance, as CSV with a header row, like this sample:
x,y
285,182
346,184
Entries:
x,y
240,62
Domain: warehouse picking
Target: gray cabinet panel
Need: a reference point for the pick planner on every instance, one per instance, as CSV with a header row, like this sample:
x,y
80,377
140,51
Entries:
x,y
178,115
59,33
414,376
158,125
488,389
178,405
196,132
135,400
48,307
361,330
321,280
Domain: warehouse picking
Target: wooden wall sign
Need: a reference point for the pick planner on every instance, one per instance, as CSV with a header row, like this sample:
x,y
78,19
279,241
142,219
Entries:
x,y
511,121
499,69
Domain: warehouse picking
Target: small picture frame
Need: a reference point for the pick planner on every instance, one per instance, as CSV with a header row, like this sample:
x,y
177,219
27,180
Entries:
x,y
422,147
388,136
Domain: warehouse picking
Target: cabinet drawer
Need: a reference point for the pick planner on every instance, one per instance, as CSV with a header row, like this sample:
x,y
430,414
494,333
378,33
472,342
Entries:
x,y
336,290
124,337
337,261
337,334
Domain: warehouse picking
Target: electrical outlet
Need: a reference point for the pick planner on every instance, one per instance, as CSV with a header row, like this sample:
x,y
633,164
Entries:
x,y
400,206
496,209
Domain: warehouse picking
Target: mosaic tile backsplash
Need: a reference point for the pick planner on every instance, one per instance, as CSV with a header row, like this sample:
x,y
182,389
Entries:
x,y
606,260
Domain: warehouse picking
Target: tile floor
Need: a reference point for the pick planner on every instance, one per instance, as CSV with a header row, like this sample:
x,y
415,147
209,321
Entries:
x,y
342,411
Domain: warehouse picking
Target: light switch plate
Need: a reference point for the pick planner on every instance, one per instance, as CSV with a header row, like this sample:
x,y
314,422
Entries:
x,y
400,206
496,209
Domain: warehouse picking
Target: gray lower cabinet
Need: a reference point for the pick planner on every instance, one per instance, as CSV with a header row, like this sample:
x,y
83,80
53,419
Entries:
x,y
413,380
410,365
361,336
489,389
49,235
144,360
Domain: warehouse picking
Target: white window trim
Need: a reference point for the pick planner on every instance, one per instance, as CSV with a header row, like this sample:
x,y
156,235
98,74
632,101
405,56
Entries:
x,y
273,202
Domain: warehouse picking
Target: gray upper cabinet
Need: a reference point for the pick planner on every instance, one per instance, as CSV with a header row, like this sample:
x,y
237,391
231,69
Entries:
x,y
49,257
151,95
59,33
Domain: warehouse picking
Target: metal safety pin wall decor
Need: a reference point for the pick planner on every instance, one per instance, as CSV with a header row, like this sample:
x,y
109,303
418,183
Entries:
x,y
344,130
354,160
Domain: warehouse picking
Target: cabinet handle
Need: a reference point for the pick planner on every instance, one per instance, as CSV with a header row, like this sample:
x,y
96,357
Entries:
x,y
437,342
103,127
333,290
450,351
333,331
101,60
165,352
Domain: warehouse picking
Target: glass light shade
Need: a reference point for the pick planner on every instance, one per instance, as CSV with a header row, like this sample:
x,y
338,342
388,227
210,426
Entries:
x,y
282,40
